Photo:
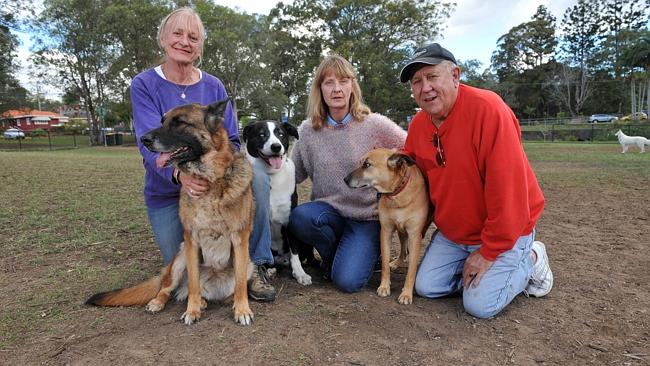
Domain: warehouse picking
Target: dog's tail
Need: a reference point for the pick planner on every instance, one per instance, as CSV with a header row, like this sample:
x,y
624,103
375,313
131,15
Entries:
x,y
137,295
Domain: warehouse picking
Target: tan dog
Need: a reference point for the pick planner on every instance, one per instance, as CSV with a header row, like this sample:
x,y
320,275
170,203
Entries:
x,y
403,207
213,263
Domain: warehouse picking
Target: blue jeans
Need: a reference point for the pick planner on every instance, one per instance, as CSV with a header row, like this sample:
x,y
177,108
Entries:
x,y
351,247
441,273
168,230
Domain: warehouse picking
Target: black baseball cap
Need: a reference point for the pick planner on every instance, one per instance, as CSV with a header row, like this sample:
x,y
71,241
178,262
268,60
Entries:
x,y
431,54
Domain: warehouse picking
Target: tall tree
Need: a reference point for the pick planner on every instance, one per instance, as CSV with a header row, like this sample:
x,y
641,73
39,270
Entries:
x,y
618,16
74,40
232,48
526,45
581,37
291,57
636,56
12,94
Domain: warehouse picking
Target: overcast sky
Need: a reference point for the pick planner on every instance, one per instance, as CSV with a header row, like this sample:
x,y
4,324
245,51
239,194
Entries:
x,y
471,32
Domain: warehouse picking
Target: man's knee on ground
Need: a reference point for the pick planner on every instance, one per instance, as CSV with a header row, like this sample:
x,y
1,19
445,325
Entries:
x,y
430,289
477,307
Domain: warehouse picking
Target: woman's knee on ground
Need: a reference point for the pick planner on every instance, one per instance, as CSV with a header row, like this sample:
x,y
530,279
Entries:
x,y
300,217
347,282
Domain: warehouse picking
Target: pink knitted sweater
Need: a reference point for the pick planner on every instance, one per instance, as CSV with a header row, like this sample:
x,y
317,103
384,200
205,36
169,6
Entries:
x,y
327,155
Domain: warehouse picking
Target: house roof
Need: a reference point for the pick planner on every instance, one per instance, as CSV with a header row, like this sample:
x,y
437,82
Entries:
x,y
17,113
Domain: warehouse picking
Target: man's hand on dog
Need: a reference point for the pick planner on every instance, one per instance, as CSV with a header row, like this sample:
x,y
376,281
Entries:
x,y
475,267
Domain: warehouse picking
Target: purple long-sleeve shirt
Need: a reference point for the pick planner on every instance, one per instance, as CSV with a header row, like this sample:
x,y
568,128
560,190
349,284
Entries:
x,y
151,96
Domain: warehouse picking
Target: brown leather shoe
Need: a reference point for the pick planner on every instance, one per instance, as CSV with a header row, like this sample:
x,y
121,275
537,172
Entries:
x,y
259,286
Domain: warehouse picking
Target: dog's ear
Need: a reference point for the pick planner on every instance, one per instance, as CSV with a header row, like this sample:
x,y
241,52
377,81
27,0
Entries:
x,y
214,114
398,159
247,131
291,129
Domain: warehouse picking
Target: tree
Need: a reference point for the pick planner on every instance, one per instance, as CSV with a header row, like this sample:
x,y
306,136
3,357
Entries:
x,y
526,45
74,40
636,56
619,16
232,49
12,94
291,57
581,29
376,36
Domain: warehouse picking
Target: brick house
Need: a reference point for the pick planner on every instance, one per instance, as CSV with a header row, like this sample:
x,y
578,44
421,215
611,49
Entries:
x,y
28,120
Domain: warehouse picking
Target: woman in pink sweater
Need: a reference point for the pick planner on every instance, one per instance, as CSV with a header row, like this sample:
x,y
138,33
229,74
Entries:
x,y
341,223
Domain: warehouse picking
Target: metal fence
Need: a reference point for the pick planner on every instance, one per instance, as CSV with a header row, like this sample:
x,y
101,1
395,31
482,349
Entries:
x,y
49,140
555,132
549,130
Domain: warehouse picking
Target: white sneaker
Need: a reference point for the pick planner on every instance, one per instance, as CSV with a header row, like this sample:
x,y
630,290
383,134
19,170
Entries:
x,y
541,280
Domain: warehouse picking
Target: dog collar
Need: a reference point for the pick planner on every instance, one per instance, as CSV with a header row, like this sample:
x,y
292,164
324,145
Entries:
x,y
405,179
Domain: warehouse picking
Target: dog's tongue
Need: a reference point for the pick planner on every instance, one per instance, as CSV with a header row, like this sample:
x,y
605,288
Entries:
x,y
162,159
275,162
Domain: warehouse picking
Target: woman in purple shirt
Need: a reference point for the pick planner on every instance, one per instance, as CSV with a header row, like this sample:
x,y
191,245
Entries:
x,y
177,82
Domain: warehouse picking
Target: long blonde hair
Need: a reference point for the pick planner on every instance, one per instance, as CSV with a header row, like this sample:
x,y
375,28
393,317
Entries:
x,y
185,18
316,107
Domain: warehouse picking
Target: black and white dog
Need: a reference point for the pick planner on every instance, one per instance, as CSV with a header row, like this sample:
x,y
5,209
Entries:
x,y
267,147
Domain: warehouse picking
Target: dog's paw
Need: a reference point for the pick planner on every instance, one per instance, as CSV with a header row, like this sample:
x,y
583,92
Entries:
x,y
303,279
154,306
383,290
405,298
204,304
243,315
191,316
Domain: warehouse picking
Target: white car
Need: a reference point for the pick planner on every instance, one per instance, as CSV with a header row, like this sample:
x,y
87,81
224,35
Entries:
x,y
595,118
14,133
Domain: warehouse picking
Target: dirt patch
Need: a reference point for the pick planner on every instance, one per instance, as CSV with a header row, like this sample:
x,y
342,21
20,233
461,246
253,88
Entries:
x,y
597,313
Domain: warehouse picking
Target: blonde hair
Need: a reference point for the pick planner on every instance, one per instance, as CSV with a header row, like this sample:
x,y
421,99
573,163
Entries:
x,y
316,107
184,18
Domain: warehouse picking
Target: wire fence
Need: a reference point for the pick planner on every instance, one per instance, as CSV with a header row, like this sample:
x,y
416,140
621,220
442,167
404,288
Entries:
x,y
50,140
546,130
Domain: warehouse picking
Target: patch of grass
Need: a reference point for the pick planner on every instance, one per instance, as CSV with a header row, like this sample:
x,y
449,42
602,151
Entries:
x,y
73,222
68,217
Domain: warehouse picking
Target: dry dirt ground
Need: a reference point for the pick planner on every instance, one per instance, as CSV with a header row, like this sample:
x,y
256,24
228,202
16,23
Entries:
x,y
597,313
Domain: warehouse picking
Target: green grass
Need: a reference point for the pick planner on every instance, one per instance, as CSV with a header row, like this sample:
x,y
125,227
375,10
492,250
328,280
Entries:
x,y
73,222
66,216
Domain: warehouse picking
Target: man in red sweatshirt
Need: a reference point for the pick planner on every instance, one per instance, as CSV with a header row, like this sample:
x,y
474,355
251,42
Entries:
x,y
467,142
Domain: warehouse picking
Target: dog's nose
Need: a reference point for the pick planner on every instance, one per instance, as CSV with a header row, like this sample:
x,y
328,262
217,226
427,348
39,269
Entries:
x,y
276,147
347,179
146,140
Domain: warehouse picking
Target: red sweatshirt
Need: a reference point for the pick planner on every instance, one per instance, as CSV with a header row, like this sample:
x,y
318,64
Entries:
x,y
487,193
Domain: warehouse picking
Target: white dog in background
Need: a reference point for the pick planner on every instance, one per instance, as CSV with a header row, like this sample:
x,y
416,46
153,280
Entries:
x,y
626,141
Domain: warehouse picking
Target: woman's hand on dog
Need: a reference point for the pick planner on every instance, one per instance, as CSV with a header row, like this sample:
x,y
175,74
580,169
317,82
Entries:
x,y
475,267
193,186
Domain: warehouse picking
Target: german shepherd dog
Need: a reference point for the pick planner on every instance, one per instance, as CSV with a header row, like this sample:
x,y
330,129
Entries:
x,y
404,207
213,262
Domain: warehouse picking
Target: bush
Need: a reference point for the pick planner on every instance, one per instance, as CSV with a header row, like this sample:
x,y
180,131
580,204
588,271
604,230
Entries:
x,y
39,132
